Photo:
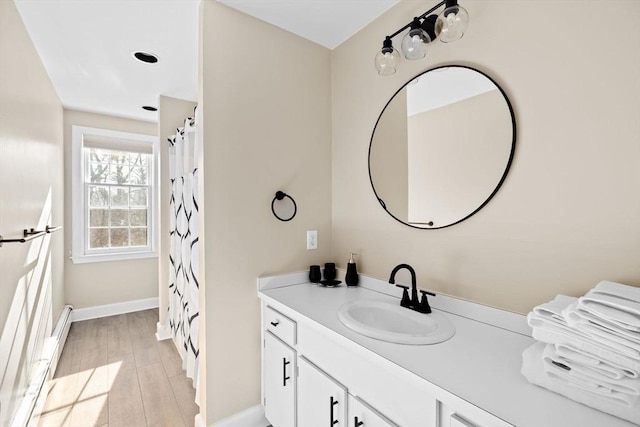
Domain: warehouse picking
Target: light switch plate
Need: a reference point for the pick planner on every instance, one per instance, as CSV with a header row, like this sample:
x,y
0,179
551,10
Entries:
x,y
312,239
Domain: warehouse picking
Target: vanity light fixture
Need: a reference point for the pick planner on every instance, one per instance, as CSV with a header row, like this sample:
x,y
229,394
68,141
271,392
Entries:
x,y
448,26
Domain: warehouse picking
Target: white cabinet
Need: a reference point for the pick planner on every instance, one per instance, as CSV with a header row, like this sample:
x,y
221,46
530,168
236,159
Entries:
x,y
313,378
279,370
279,382
363,415
322,401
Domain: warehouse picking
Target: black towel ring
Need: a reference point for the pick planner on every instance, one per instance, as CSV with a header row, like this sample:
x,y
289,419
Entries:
x,y
280,195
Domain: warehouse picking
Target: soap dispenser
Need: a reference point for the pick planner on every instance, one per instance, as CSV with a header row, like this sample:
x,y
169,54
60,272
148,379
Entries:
x,y
351,278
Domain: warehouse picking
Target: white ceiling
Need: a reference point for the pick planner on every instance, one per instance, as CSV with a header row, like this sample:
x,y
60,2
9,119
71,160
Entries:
x,y
86,46
326,22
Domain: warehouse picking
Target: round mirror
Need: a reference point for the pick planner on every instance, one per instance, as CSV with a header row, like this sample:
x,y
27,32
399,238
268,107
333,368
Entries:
x,y
442,147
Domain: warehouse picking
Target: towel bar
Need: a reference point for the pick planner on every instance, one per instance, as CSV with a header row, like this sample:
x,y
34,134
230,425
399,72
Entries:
x,y
30,235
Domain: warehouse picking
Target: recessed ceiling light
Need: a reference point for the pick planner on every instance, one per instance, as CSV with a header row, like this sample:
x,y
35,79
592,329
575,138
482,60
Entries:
x,y
149,108
147,57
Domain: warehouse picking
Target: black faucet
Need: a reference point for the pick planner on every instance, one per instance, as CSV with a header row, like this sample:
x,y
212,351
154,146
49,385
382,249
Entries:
x,y
413,303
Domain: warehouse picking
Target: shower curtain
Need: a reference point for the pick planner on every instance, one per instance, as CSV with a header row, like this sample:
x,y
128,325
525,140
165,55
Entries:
x,y
183,252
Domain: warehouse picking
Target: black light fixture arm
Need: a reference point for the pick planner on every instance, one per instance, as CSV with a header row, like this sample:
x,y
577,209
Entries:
x,y
424,15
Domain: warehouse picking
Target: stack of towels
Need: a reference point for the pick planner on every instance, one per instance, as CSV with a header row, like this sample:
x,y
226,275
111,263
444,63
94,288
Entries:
x,y
588,349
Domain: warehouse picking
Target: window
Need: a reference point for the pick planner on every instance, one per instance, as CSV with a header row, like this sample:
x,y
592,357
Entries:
x,y
114,195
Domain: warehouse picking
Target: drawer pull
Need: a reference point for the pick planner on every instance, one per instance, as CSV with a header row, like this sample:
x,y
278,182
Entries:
x,y
333,403
276,323
357,422
284,372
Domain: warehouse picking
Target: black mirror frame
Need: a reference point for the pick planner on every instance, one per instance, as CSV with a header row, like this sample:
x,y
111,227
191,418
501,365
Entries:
x,y
504,174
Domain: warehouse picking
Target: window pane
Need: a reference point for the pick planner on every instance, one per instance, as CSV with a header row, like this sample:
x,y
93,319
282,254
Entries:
x,y
138,197
139,160
138,217
98,196
97,172
98,238
138,176
139,236
119,217
98,217
99,155
119,157
119,237
119,196
119,174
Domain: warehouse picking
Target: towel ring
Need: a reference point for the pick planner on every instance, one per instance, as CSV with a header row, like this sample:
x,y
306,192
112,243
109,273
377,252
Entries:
x,y
280,195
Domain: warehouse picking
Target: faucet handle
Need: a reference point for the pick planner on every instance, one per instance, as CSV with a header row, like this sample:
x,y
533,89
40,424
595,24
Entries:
x,y
424,303
405,301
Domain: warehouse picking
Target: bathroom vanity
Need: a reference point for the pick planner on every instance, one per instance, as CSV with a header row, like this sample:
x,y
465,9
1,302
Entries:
x,y
318,372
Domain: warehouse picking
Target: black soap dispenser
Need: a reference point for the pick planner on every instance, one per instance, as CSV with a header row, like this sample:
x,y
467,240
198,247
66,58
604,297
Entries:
x,y
351,278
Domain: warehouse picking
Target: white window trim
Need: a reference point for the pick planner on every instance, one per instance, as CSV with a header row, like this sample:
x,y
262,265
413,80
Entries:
x,y
79,205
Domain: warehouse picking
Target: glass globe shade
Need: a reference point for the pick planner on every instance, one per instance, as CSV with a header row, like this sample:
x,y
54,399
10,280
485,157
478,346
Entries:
x,y
452,23
386,61
414,44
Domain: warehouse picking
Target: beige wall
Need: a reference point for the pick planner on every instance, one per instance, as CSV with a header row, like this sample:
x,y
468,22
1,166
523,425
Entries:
x,y
31,195
388,159
100,283
568,213
171,115
267,127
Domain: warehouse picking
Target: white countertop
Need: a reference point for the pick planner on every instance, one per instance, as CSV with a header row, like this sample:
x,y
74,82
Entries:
x,y
480,363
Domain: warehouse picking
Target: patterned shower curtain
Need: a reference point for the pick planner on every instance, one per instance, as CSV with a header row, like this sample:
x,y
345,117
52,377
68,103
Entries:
x,y
183,253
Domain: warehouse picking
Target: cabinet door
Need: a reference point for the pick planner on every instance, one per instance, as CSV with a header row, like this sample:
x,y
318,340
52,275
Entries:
x,y
363,415
322,401
279,382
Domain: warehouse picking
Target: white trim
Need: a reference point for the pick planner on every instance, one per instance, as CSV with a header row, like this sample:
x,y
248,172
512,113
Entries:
x,y
163,332
78,212
199,421
272,282
250,417
34,399
84,259
98,311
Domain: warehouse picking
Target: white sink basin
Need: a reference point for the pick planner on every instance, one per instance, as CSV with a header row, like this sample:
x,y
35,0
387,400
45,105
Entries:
x,y
390,322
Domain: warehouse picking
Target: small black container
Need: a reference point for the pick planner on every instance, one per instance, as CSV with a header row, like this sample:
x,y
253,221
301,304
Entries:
x,y
329,271
315,274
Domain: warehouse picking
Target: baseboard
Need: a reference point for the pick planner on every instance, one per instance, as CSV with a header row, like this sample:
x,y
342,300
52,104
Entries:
x,y
163,332
33,401
199,421
250,417
113,309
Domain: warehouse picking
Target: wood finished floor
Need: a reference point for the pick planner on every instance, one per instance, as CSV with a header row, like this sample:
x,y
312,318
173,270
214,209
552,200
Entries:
x,y
113,372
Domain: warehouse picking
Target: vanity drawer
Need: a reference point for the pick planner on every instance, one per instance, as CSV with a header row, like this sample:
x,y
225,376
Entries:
x,y
280,325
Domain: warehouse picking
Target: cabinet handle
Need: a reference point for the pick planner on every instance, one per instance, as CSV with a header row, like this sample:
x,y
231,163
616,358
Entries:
x,y
333,403
284,372
357,422
276,323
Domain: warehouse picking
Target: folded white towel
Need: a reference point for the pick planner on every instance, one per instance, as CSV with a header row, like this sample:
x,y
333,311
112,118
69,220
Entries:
x,y
549,315
533,371
565,336
614,302
570,355
589,379
552,311
618,289
577,317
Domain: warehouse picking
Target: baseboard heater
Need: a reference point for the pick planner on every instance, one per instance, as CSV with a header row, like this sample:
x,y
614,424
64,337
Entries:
x,y
33,401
